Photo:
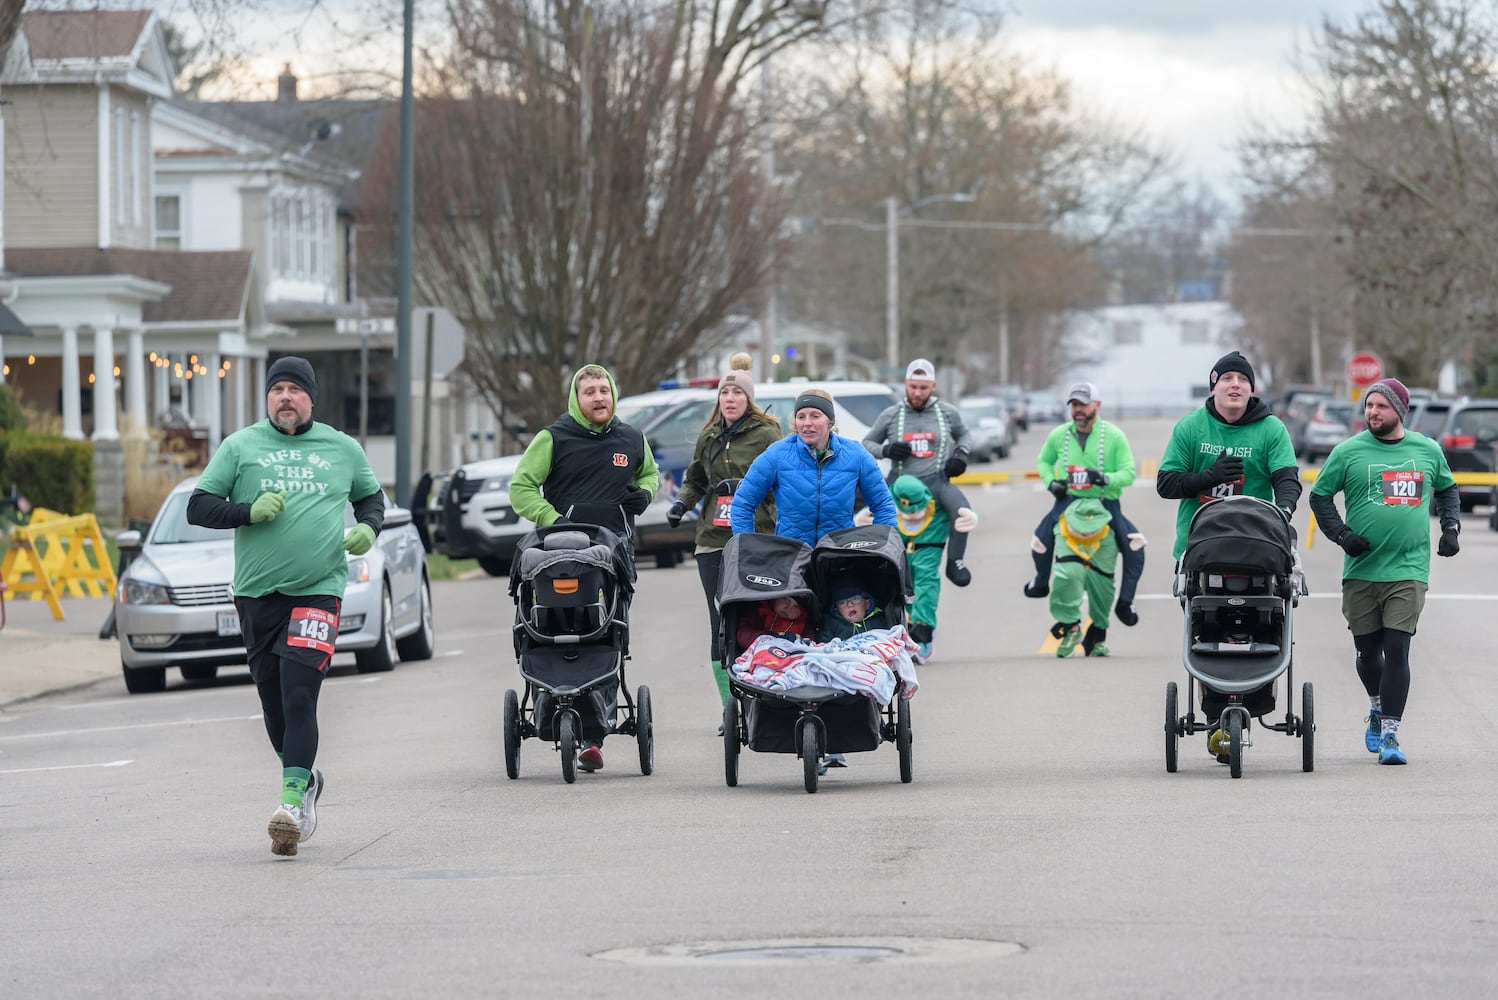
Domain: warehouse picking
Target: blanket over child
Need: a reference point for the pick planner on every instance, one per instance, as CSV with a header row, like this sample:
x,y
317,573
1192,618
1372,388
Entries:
x,y
865,664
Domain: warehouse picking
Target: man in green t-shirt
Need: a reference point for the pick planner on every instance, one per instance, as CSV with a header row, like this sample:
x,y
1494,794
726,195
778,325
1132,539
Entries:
x,y
1232,446
1387,476
282,485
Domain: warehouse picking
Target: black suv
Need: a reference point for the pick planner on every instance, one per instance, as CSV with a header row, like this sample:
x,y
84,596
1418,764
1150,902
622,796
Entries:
x,y
1468,439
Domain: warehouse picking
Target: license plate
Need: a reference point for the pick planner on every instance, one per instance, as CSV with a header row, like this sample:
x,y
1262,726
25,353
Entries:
x,y
228,623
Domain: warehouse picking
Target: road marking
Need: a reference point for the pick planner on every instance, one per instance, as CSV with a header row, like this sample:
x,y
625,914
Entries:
x,y
1338,595
121,729
67,767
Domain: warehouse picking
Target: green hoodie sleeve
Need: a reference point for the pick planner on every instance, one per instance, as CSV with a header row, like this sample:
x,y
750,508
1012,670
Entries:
x,y
525,487
1120,461
648,475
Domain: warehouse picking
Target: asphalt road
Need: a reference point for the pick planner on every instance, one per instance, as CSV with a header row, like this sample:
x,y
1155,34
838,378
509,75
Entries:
x,y
134,859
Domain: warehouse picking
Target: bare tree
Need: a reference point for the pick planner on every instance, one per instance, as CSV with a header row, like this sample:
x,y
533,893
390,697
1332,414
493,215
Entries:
x,y
587,187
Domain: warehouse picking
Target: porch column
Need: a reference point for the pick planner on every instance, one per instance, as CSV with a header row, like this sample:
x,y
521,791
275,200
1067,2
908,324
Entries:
x,y
257,405
162,379
2,360
215,396
72,405
135,384
245,416
106,396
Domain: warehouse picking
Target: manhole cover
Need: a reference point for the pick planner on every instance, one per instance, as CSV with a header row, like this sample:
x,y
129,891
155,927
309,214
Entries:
x,y
814,950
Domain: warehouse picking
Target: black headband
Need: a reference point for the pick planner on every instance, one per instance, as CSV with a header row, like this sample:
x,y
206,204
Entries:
x,y
815,402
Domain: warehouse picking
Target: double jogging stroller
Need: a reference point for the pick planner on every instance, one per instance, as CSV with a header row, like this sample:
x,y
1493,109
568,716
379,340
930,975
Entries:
x,y
1238,583
572,584
810,721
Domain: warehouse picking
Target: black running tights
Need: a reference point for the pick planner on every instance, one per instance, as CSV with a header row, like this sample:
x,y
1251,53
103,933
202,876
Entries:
x,y
709,569
288,698
1384,668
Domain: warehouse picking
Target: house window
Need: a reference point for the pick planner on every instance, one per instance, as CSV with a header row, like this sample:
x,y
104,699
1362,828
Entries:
x,y
314,236
1194,332
283,236
299,238
331,220
1127,332
168,222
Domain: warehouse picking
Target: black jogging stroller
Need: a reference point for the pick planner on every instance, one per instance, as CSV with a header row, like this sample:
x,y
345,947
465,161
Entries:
x,y
572,585
810,721
1238,582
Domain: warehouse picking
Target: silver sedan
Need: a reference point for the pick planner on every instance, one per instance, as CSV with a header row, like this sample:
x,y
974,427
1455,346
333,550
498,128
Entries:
x,y
174,606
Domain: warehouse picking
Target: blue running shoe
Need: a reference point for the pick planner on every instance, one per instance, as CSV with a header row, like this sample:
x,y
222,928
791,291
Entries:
x,y
1373,739
923,650
1389,752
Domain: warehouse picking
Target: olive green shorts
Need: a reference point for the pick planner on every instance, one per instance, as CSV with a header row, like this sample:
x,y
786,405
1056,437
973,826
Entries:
x,y
1369,605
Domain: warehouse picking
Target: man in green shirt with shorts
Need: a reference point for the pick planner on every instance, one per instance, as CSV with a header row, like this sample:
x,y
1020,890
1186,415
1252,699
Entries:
x,y
1387,476
282,485
1232,446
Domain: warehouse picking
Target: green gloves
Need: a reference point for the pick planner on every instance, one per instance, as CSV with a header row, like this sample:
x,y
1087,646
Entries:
x,y
359,540
266,507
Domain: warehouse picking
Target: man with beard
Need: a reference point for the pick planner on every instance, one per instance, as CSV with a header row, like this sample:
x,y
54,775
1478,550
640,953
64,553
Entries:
x,y
1387,476
1232,446
1088,457
282,485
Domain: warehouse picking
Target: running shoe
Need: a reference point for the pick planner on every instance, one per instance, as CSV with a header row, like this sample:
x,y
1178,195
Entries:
x,y
309,805
285,830
1217,746
591,757
1098,649
1389,752
1373,739
958,573
923,651
836,760
1069,640
1038,588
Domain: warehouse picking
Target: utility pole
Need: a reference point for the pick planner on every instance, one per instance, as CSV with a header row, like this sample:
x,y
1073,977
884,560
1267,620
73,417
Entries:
x,y
403,272
892,283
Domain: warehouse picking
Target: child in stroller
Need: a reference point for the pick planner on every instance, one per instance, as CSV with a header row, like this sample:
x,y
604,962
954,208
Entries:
x,y
853,610
784,616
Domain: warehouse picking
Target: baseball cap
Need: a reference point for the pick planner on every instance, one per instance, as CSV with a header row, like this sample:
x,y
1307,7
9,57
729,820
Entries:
x,y
920,368
1083,392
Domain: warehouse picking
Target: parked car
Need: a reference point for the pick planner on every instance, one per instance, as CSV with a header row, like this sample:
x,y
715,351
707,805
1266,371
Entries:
x,y
1014,401
1296,409
174,606
1330,423
1468,440
1428,416
1045,407
470,516
987,421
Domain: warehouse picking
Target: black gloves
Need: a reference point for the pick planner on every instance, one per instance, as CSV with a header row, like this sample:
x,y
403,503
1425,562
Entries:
x,y
635,500
675,514
1353,543
956,466
1057,488
897,449
1448,545
1287,514
1096,477
1227,469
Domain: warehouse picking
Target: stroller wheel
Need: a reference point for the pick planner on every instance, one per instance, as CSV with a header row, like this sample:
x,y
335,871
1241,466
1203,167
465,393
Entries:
x,y
810,756
1171,730
1235,745
512,734
904,737
731,742
1307,727
644,730
567,745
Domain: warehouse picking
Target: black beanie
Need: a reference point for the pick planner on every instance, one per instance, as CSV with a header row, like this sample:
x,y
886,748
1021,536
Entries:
x,y
293,369
817,401
1231,362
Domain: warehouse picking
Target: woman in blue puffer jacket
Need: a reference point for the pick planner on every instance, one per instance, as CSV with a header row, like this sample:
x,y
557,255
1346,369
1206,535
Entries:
x,y
815,475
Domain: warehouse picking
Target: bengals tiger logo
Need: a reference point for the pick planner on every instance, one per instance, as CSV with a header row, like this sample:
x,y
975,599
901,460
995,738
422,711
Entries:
x,y
620,460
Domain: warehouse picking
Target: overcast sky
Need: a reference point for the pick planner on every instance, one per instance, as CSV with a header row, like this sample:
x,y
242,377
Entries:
x,y
1193,73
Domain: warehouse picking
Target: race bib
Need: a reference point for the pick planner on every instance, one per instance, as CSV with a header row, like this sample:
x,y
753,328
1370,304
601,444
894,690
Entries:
x,y
1076,477
1403,488
1222,491
723,502
312,628
922,443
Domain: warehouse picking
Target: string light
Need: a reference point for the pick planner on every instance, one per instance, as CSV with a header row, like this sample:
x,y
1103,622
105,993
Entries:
x,y
31,359
90,378
5,370
154,358
116,371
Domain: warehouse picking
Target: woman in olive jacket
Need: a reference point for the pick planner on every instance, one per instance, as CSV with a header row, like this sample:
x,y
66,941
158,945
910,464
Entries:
x,y
733,437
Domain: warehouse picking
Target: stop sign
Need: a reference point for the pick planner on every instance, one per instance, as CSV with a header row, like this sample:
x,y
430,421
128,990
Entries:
x,y
1364,369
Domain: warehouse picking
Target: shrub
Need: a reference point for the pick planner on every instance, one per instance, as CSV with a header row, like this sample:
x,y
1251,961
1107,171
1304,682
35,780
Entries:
x,y
51,472
12,416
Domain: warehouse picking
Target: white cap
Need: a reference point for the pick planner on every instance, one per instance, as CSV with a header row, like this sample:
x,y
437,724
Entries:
x,y
921,369
1082,392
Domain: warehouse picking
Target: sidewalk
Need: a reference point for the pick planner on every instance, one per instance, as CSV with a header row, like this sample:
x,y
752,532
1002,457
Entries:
x,y
39,655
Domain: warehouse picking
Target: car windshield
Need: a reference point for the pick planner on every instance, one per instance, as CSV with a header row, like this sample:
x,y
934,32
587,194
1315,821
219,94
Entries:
x,y
977,411
678,426
866,406
171,527
1432,418
638,413
1477,422
1342,413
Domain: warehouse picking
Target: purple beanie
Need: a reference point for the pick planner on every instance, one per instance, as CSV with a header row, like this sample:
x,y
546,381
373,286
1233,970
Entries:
x,y
1394,391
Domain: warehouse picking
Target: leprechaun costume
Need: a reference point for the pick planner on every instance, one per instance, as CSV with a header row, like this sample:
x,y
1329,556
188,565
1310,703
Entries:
x,y
925,526
1086,553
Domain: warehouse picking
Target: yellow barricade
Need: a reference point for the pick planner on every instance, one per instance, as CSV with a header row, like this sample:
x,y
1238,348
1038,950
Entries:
x,y
58,554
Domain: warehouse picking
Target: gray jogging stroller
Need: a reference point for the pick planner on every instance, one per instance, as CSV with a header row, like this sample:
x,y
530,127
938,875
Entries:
x,y
1238,583
572,584
810,721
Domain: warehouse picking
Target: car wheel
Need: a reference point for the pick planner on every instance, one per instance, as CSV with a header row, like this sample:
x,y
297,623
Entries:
x,y
381,657
419,644
494,565
198,672
144,680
